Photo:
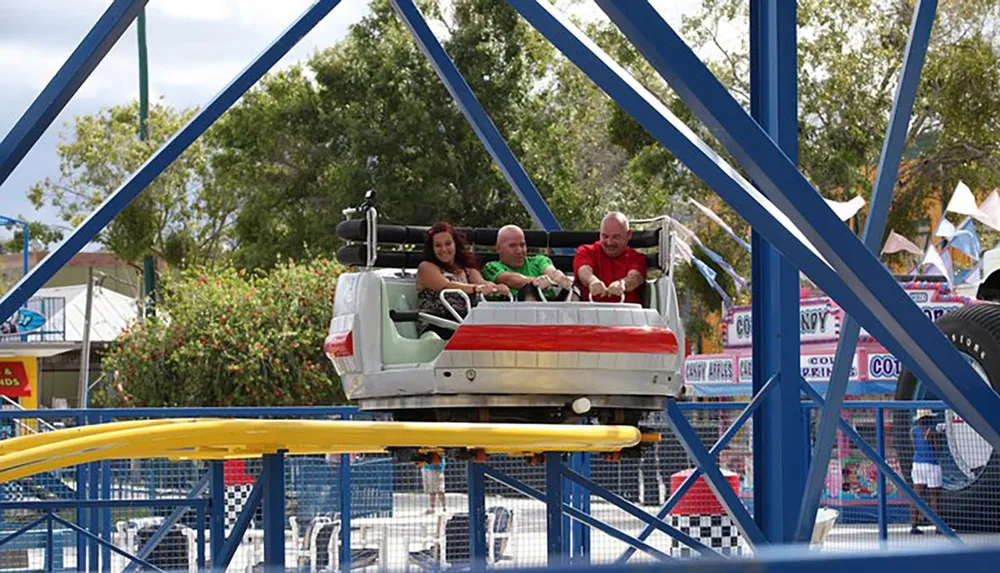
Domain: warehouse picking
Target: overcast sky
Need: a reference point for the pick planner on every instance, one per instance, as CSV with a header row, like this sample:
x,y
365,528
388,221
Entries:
x,y
195,48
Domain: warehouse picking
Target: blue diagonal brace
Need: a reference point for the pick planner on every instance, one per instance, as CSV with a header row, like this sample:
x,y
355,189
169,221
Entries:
x,y
581,516
624,505
221,561
883,465
689,481
878,212
477,117
861,284
162,159
713,475
60,89
169,523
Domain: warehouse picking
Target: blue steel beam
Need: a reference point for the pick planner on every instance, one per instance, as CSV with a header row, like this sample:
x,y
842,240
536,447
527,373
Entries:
x,y
477,117
779,462
713,476
860,284
882,465
217,511
273,475
689,481
162,159
477,514
84,59
554,507
878,211
345,513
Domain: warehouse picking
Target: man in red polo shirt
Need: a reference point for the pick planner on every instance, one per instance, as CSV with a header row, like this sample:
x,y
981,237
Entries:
x,y
610,267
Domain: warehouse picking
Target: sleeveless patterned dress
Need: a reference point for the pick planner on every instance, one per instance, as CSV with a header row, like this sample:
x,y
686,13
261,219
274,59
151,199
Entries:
x,y
431,303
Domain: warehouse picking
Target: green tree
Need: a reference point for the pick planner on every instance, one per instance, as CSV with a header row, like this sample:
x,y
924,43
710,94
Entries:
x,y
850,56
231,338
183,216
370,113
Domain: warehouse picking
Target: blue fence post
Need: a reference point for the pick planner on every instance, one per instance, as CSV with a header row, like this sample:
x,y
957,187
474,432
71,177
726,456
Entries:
x,y
345,513
477,513
95,493
106,511
217,511
554,507
580,533
50,548
200,550
883,509
81,514
273,474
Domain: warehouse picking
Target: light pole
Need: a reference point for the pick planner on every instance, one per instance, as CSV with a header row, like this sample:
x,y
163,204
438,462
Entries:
x,y
27,235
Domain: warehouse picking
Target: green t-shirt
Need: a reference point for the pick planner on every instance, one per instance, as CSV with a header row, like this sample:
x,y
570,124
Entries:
x,y
534,266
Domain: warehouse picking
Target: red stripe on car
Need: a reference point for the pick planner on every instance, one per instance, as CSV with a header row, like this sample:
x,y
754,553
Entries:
x,y
554,338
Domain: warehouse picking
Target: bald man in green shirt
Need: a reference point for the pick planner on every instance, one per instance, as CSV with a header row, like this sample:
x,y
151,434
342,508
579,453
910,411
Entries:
x,y
524,273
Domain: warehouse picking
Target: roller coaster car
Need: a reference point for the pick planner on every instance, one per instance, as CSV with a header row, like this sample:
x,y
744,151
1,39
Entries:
x,y
540,362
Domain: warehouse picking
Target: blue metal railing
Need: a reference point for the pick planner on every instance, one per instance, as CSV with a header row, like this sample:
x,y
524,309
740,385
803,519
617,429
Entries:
x,y
369,482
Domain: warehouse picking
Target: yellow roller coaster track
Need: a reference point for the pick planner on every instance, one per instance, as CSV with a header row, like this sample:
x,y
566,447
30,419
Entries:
x,y
228,438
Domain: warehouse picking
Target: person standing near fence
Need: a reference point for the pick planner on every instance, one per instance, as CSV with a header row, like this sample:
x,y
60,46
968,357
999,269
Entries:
x,y
433,479
926,473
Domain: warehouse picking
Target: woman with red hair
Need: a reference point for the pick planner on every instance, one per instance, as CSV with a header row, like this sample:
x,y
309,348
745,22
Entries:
x,y
449,264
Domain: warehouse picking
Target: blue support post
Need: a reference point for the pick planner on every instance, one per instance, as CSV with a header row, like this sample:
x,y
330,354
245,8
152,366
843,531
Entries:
x,y
84,59
162,159
861,285
878,211
273,477
81,518
345,513
554,507
217,512
883,508
475,473
50,549
713,476
477,117
200,536
580,499
778,462
105,515
94,529
81,514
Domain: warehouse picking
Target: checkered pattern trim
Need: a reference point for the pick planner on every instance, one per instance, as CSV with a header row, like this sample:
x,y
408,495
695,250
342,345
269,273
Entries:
x,y
716,531
236,497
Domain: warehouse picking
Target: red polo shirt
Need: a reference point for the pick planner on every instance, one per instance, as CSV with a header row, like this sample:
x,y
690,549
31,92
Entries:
x,y
608,270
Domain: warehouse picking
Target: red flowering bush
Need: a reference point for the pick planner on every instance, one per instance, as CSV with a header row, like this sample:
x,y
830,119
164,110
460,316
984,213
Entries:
x,y
231,338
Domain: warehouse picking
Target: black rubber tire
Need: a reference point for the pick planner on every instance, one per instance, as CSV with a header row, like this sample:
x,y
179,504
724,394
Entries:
x,y
975,508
